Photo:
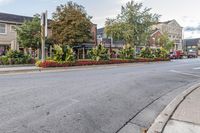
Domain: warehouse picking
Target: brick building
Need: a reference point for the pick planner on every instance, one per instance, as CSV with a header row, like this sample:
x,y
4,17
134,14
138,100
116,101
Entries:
x,y
155,35
174,31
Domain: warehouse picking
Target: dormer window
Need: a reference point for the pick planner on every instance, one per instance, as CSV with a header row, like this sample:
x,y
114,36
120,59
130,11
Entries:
x,y
2,28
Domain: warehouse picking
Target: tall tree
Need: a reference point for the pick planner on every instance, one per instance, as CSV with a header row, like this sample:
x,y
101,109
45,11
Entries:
x,y
133,24
28,34
71,24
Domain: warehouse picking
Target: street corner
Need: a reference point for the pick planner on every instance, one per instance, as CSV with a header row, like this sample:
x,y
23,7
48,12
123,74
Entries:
x,y
181,113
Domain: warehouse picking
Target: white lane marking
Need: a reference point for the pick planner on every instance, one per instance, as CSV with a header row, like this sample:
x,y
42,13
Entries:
x,y
196,68
184,73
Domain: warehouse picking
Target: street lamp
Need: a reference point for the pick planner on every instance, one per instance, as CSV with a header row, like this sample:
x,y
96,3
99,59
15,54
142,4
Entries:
x,y
43,33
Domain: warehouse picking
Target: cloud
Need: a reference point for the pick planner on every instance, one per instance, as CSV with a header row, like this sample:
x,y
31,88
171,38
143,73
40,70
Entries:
x,y
3,2
192,28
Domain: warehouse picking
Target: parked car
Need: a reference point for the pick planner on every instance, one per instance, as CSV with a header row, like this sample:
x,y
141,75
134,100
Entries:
x,y
192,54
177,54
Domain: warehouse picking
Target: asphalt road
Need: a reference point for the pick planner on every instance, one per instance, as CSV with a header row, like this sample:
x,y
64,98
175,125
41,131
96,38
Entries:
x,y
98,100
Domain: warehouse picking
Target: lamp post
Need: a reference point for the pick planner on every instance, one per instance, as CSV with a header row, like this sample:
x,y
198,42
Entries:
x,y
43,33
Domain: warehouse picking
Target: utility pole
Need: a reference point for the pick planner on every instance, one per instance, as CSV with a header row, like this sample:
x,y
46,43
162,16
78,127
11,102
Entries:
x,y
43,33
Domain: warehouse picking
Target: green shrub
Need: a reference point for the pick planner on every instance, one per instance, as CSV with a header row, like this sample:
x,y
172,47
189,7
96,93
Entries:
x,y
4,60
15,57
69,54
127,52
163,53
64,53
14,54
99,53
147,52
154,53
58,53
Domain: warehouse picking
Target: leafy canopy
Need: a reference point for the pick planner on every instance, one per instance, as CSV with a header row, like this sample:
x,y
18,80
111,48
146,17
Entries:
x,y
28,34
165,42
71,25
133,24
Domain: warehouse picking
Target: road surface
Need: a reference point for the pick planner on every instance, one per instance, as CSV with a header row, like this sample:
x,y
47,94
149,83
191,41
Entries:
x,y
104,99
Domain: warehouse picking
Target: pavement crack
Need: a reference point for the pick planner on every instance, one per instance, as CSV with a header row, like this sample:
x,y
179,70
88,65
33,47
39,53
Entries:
x,y
136,124
186,122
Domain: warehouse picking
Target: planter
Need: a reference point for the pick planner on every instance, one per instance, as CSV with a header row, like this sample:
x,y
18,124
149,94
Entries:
x,y
51,63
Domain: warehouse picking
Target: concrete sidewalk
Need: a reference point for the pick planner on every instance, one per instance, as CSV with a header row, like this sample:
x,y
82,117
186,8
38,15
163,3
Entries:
x,y
182,115
5,70
186,118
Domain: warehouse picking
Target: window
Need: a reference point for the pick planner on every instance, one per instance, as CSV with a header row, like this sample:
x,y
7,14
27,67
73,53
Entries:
x,y
2,28
12,28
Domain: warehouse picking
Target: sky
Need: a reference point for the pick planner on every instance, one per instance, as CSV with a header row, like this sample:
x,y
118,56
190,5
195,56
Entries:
x,y
186,12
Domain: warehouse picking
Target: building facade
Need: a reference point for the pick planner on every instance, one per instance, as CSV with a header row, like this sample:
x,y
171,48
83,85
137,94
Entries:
x,y
192,45
174,31
108,41
155,35
8,36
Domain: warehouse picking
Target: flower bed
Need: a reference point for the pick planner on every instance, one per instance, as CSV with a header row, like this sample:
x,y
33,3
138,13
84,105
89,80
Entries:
x,y
51,63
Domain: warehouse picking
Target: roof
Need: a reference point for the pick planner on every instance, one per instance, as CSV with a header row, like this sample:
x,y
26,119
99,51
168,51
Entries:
x,y
155,31
165,22
190,42
5,17
169,21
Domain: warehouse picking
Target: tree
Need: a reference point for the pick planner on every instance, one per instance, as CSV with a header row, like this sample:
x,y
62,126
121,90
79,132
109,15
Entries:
x,y
28,34
133,24
165,42
71,25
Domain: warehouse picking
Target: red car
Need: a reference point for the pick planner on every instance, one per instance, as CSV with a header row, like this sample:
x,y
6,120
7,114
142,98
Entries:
x,y
178,54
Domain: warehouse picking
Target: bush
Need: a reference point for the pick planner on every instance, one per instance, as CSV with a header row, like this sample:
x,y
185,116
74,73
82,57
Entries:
x,y
127,52
163,53
99,53
4,60
63,54
58,56
147,52
154,53
16,57
69,54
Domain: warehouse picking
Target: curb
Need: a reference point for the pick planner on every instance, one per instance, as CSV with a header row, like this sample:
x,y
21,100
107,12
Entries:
x,y
53,69
21,65
19,71
161,121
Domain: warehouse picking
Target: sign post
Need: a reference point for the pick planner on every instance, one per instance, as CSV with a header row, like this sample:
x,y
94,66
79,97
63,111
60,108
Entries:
x,y
43,33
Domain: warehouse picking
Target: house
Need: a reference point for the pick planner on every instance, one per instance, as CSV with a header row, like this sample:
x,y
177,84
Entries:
x,y
108,41
154,36
192,44
174,31
8,37
172,28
